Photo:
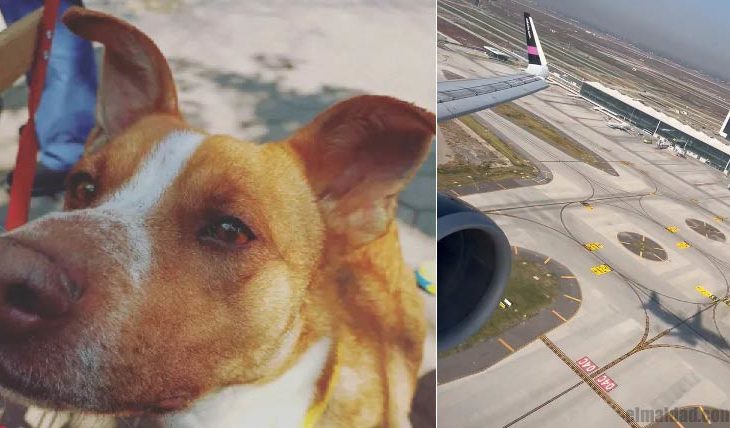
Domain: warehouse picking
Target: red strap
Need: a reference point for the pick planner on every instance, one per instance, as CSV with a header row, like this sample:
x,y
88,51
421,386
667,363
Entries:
x,y
28,148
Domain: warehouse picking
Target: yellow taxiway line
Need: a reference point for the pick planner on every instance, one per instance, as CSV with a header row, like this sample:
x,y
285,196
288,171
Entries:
x,y
558,315
571,298
505,344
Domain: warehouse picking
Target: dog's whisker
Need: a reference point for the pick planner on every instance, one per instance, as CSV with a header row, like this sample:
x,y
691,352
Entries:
x,y
53,420
28,378
42,418
125,422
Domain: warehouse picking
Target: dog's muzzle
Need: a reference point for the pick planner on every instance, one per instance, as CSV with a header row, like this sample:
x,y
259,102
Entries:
x,y
35,293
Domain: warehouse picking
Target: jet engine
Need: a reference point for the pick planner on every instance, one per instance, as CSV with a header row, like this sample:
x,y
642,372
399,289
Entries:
x,y
474,261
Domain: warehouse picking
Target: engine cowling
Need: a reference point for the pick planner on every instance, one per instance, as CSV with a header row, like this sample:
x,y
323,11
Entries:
x,y
474,262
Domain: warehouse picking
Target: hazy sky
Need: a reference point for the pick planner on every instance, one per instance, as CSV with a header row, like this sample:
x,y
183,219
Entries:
x,y
695,32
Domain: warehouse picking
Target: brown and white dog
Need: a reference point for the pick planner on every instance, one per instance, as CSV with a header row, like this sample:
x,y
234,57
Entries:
x,y
218,282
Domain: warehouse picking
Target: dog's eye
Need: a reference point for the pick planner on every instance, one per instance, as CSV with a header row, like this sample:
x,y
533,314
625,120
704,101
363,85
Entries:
x,y
228,231
82,187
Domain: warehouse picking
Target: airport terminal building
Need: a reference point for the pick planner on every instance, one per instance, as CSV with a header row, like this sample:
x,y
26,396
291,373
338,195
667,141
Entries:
x,y
697,144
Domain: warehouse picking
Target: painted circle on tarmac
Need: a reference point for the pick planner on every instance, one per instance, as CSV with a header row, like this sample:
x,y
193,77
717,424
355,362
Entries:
x,y
707,230
642,246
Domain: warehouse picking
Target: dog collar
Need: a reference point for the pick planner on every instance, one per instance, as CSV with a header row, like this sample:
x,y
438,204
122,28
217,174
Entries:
x,y
317,409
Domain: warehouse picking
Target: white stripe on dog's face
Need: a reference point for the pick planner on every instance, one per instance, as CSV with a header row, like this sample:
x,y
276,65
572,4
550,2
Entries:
x,y
142,192
127,210
117,229
133,202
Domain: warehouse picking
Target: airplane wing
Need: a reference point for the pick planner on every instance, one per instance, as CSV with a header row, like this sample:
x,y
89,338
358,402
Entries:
x,y
459,97
463,96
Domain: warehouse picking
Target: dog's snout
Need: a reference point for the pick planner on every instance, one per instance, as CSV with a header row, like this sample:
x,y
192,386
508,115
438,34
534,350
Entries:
x,y
34,292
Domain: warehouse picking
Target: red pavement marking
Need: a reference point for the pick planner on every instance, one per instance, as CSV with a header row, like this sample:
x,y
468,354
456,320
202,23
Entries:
x,y
605,382
587,365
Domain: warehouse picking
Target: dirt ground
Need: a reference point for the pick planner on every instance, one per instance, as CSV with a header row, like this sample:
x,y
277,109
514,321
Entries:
x,y
467,148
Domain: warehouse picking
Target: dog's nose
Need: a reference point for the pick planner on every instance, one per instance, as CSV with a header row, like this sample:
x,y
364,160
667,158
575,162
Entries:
x,y
34,292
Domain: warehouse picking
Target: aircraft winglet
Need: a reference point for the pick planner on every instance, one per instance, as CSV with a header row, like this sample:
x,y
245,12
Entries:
x,y
537,64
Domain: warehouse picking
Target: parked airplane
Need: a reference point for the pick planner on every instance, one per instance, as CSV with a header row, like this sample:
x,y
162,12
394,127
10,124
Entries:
x,y
464,96
680,152
663,143
623,126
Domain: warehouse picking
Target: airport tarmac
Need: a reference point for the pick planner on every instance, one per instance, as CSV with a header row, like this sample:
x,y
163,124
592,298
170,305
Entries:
x,y
652,321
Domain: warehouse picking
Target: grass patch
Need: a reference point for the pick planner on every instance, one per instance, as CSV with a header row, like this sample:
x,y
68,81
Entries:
x,y
493,140
551,135
457,173
450,177
528,296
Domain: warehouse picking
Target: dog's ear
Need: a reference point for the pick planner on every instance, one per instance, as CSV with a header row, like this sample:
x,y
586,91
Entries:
x,y
358,155
135,78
